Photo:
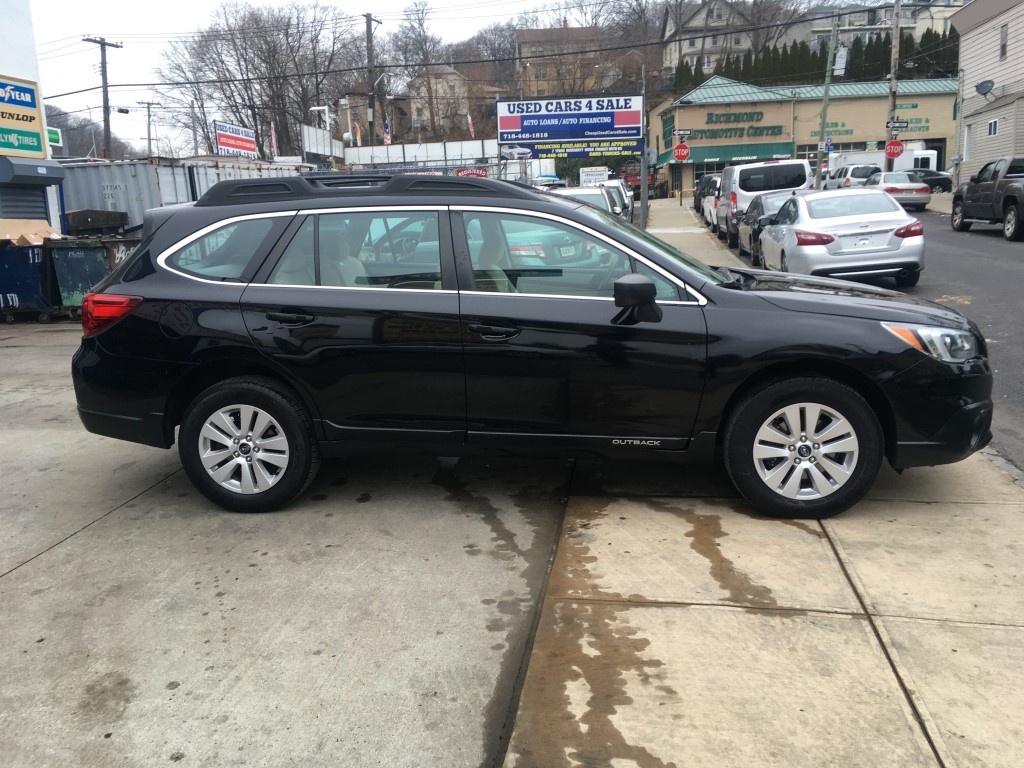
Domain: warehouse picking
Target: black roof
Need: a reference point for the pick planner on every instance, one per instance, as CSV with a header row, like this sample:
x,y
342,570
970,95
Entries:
x,y
321,185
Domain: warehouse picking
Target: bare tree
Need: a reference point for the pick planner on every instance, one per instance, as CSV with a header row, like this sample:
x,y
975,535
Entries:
x,y
421,52
770,19
262,67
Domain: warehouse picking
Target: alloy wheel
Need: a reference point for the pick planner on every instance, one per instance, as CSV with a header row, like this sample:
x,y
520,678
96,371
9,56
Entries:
x,y
243,449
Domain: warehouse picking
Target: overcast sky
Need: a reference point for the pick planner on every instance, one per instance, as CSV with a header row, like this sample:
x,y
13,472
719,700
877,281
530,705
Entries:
x,y
145,29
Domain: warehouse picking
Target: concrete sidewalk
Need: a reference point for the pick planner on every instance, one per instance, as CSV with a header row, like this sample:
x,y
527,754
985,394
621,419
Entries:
x,y
679,629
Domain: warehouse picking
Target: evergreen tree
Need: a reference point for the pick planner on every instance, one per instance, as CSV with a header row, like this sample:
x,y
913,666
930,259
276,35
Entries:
x,y
855,60
684,75
698,75
910,64
785,65
747,69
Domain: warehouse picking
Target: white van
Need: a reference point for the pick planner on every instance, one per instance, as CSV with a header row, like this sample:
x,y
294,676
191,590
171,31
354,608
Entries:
x,y
742,183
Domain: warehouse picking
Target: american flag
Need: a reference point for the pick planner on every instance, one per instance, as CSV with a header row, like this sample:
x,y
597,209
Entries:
x,y
387,129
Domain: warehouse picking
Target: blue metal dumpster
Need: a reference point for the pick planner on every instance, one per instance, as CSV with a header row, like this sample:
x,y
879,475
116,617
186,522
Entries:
x,y
23,283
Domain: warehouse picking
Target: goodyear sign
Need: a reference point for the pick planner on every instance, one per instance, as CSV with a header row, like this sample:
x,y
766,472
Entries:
x,y
21,120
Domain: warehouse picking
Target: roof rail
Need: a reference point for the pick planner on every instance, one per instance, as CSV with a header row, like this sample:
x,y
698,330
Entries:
x,y
286,188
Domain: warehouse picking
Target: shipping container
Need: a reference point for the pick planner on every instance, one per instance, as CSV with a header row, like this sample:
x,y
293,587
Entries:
x,y
134,186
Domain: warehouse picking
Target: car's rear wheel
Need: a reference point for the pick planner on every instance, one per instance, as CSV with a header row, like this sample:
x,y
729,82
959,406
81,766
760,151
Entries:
x,y
956,218
247,445
756,259
1012,229
806,447
908,280
937,189
732,238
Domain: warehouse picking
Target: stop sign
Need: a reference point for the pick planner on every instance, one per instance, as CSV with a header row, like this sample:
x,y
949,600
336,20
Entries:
x,y
893,149
681,152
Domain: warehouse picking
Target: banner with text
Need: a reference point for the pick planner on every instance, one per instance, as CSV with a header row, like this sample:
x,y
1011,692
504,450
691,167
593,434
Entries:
x,y
235,140
572,127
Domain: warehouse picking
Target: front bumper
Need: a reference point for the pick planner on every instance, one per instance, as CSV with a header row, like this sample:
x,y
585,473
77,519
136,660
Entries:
x,y
943,412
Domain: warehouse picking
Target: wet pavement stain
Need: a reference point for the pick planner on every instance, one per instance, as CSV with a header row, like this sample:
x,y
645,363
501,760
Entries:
x,y
706,530
583,658
107,698
542,510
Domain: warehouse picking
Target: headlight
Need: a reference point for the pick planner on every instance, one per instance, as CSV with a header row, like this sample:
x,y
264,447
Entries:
x,y
946,344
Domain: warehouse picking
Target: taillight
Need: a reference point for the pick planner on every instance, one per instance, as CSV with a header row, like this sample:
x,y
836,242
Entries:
x,y
100,310
893,190
924,190
732,199
813,238
913,229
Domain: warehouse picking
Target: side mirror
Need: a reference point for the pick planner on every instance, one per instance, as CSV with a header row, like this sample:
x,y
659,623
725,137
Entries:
x,y
974,179
765,221
636,294
616,210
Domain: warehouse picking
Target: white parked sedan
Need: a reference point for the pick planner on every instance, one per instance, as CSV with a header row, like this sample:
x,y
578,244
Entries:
x,y
852,233
906,188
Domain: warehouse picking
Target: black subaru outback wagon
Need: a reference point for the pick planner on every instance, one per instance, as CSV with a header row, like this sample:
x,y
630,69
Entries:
x,y
279,320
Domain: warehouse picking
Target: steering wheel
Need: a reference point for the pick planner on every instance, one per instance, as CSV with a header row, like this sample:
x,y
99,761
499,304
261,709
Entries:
x,y
401,247
614,264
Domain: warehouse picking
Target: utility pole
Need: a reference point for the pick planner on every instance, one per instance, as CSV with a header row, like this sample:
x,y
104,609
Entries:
x,y
824,98
103,44
370,79
894,63
644,169
195,135
149,125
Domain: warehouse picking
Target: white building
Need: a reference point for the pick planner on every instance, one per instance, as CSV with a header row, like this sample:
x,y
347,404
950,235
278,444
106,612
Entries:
x,y
991,111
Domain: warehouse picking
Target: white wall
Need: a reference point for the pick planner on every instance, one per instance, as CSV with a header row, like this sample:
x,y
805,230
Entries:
x,y
18,52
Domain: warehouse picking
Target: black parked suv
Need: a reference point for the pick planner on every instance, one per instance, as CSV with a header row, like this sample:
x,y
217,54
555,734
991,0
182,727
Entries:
x,y
280,320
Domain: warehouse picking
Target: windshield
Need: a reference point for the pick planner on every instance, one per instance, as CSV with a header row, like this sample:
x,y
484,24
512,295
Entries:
x,y
689,269
900,178
836,206
594,198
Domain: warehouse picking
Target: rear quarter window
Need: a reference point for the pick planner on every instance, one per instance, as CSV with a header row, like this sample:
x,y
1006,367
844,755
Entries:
x,y
224,253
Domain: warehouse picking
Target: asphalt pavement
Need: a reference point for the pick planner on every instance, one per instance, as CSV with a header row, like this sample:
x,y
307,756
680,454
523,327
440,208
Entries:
x,y
409,611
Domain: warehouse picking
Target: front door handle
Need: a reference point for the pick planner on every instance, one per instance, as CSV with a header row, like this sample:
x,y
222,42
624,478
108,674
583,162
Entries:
x,y
494,332
290,318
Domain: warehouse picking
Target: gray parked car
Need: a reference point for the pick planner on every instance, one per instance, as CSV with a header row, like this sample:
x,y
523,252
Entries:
x,y
850,233
849,176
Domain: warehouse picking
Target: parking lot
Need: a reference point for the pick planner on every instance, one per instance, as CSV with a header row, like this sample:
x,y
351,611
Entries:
x,y
410,611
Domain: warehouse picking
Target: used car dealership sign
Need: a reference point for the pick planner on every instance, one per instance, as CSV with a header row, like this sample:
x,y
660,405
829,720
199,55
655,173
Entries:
x,y
574,127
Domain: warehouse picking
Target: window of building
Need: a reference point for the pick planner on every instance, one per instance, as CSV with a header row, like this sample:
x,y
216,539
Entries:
x,y
714,39
693,42
707,62
1004,35
737,40
993,127
541,73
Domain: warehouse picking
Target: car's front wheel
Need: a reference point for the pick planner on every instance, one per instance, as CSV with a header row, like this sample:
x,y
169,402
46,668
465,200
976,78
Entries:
x,y
804,447
247,445
956,218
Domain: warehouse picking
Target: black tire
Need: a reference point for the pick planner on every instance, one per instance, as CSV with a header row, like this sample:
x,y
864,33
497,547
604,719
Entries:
x,y
937,189
803,481
1013,228
956,218
732,239
909,280
283,416
756,259
721,232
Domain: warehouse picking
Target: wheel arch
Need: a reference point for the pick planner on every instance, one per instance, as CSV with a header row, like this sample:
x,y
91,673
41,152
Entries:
x,y
802,368
211,372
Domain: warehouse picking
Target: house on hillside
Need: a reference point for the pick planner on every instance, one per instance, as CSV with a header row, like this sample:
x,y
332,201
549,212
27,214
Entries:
x,y
438,102
564,61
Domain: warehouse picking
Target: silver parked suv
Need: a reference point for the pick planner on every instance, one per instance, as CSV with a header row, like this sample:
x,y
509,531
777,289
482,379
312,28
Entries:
x,y
742,183
848,176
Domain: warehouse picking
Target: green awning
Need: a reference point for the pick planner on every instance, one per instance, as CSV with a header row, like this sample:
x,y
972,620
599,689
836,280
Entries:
x,y
731,153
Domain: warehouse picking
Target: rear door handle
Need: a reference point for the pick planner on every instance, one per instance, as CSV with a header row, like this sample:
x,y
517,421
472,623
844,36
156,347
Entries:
x,y
290,318
494,332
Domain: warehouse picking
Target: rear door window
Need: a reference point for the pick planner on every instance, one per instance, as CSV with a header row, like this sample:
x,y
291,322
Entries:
x,y
788,176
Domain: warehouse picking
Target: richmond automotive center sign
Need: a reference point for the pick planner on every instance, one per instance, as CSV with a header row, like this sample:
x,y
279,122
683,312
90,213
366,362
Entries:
x,y
584,127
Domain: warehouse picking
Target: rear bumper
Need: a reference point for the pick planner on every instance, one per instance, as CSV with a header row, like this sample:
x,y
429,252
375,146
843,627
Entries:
x,y
147,429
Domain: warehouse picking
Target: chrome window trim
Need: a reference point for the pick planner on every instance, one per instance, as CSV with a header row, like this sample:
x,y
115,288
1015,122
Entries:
x,y
420,291
698,299
162,258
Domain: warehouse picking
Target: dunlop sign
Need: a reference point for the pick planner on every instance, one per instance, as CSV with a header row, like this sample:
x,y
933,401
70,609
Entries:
x,y
21,119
